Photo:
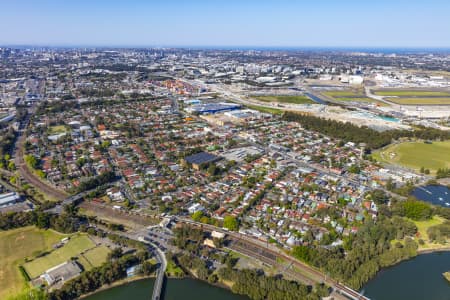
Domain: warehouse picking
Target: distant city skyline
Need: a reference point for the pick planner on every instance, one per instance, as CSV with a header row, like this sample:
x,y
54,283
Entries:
x,y
232,23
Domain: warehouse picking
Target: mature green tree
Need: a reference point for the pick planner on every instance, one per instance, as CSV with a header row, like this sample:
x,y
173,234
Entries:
x,y
197,216
231,223
417,210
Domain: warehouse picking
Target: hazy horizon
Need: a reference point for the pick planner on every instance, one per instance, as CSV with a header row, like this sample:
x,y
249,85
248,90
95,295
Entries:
x,y
236,48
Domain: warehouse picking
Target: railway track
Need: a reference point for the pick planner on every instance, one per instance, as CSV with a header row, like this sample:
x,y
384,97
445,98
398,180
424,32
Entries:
x,y
251,243
27,174
273,262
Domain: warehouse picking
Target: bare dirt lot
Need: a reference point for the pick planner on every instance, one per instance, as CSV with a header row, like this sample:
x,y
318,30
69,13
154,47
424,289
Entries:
x,y
107,213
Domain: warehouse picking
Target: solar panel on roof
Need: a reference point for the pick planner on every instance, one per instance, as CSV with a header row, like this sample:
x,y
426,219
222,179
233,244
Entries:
x,y
201,158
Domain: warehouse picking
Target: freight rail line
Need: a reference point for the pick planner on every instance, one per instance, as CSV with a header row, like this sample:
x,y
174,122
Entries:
x,y
338,287
291,273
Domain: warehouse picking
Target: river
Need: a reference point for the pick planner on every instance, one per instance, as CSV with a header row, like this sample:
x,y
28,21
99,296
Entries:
x,y
434,194
176,289
315,98
417,279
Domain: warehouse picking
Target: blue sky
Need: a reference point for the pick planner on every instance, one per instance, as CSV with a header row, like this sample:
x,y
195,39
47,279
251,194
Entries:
x,y
263,23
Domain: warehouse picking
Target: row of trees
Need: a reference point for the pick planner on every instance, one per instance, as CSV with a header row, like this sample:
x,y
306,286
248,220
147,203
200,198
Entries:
x,y
7,139
31,161
353,133
229,222
91,280
7,163
424,171
96,181
257,286
443,173
65,223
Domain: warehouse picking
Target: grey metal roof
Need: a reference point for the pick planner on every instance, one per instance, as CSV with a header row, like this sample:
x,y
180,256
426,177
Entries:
x,y
202,158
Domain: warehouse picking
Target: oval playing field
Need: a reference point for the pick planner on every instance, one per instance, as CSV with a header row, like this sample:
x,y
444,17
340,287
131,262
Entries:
x,y
415,155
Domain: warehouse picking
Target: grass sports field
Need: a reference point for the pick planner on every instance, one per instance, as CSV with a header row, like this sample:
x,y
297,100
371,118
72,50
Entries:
x,y
73,248
415,97
285,99
269,110
344,94
421,101
15,245
352,96
360,99
94,257
415,155
411,93
57,129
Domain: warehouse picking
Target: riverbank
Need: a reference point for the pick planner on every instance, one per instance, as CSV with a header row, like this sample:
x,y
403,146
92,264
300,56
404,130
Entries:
x,y
192,274
444,181
228,284
189,274
419,252
175,289
117,284
429,251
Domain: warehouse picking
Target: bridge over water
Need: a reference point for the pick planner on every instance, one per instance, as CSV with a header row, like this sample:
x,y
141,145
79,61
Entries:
x,y
160,274
157,289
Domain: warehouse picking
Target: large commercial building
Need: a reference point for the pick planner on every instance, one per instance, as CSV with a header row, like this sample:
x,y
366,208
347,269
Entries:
x,y
212,108
61,273
201,159
9,199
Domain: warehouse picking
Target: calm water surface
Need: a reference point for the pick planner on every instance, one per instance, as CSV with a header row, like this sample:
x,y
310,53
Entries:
x,y
417,279
315,98
176,289
434,194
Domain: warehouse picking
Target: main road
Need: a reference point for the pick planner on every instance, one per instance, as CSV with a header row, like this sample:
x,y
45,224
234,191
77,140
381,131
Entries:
x,y
393,105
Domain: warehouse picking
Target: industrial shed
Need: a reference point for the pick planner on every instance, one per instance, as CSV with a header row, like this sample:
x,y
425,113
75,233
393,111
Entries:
x,y
201,159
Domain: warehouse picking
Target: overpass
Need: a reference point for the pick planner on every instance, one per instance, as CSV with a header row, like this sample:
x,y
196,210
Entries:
x,y
268,248
381,99
72,199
